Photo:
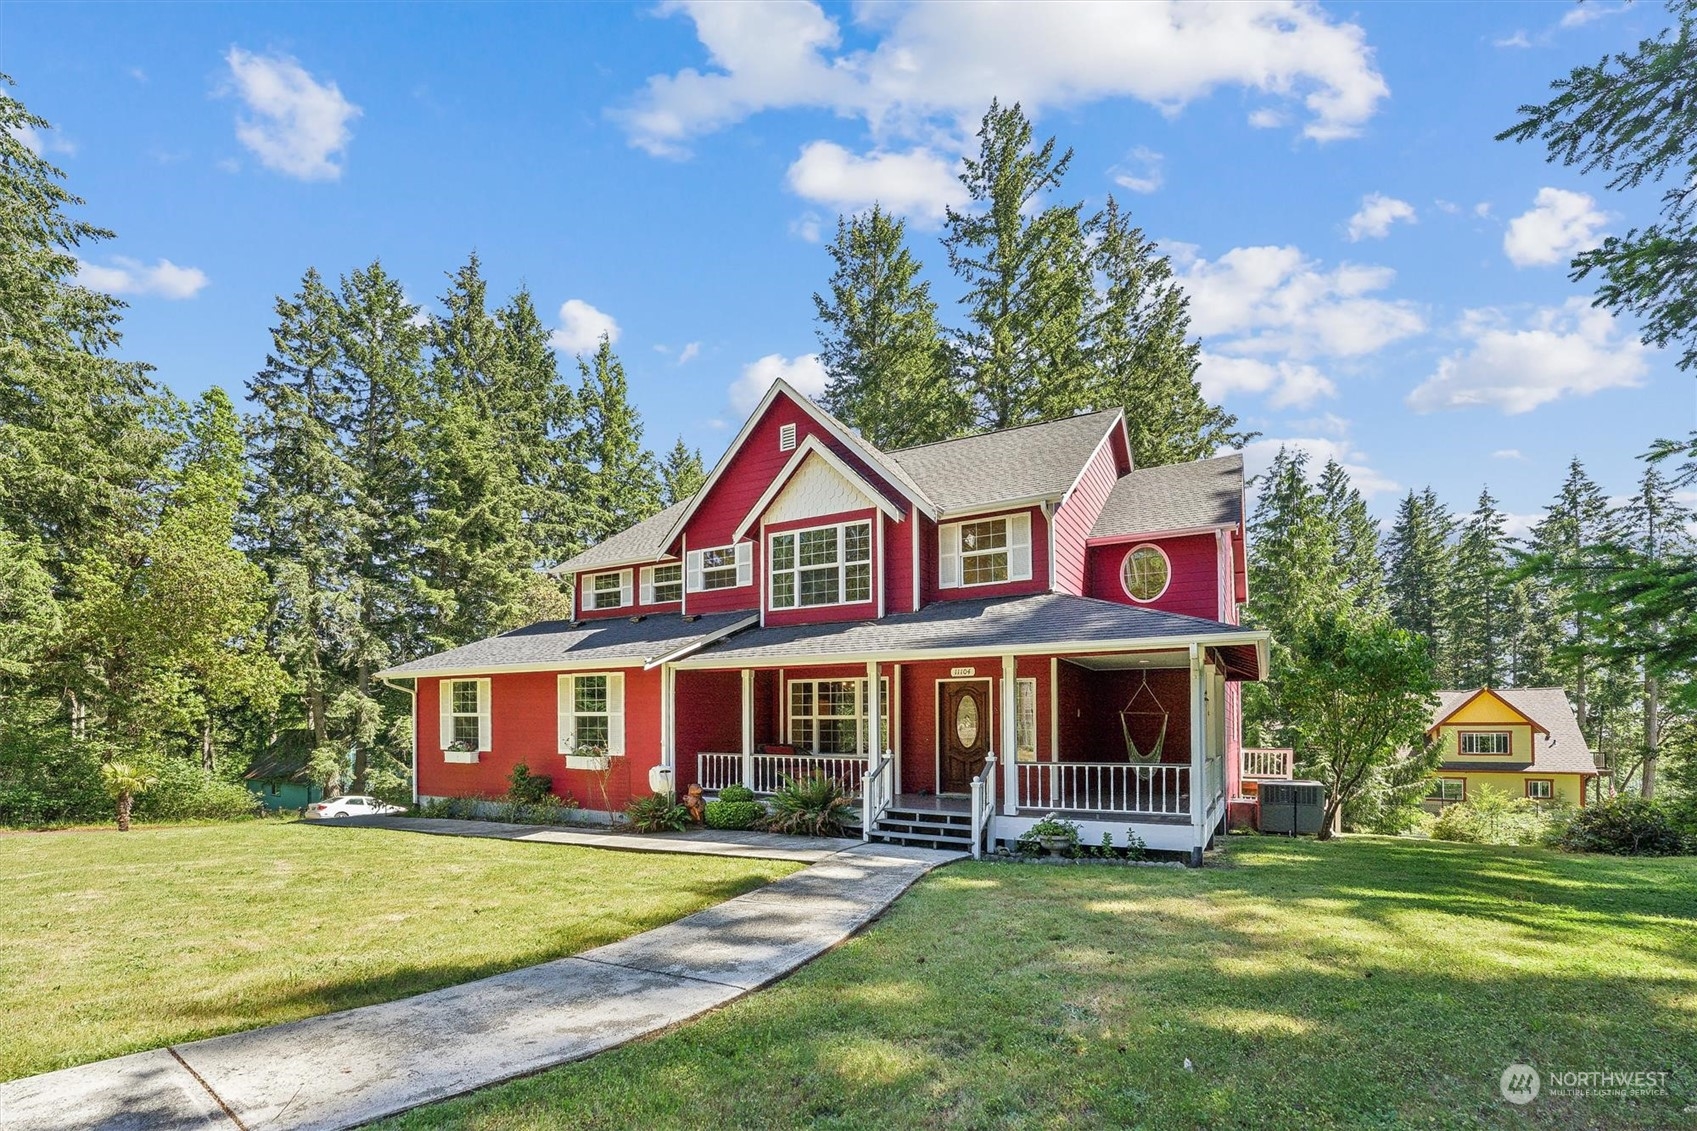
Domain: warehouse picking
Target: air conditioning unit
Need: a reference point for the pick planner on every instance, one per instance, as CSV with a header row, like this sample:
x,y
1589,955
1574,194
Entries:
x,y
1295,808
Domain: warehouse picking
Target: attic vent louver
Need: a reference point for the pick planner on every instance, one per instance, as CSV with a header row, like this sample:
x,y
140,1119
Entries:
x,y
786,438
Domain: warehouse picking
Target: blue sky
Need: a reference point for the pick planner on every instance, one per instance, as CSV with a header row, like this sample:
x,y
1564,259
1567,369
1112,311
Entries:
x,y
1372,275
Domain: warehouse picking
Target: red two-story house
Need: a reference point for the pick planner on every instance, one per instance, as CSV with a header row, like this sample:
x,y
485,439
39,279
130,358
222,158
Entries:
x,y
968,635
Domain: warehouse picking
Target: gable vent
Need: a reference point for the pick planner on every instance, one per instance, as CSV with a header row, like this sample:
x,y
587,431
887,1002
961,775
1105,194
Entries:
x,y
786,438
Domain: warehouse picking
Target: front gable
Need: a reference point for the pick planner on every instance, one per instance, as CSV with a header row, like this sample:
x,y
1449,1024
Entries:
x,y
1485,708
815,483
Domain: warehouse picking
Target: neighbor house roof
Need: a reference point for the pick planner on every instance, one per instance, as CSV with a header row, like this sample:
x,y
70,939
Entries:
x,y
286,759
644,542
1037,461
1200,495
990,626
552,645
1562,751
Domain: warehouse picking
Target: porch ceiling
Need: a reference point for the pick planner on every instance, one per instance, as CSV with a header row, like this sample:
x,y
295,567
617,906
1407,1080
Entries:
x,y
1132,661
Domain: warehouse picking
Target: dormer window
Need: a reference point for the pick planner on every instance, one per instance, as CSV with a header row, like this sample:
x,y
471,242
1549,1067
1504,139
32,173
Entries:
x,y
827,565
985,551
663,584
723,567
1485,742
609,590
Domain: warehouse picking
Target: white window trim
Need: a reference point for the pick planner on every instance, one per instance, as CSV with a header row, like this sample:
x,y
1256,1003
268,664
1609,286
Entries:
x,y
591,595
695,571
447,715
1547,783
842,566
648,584
951,559
1441,782
565,701
1125,582
867,713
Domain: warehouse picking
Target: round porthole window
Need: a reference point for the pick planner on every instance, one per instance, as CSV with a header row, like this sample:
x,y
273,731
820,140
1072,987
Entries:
x,y
1145,573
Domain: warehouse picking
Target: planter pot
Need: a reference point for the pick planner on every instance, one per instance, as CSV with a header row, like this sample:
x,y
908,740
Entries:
x,y
1055,845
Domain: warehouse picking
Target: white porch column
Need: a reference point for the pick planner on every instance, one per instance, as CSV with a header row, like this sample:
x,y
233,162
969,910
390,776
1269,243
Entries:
x,y
668,719
748,727
1198,757
1010,735
874,711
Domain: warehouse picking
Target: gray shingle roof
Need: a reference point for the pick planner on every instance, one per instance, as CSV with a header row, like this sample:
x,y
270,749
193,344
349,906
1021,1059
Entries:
x,y
1036,461
1178,496
576,642
1563,752
987,625
639,543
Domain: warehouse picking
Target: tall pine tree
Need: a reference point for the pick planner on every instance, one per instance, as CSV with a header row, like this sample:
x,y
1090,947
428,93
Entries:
x,y
1417,572
681,475
621,485
1477,617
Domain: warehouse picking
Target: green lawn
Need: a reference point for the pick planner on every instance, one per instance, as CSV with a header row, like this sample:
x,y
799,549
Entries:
x,y
1365,983
111,943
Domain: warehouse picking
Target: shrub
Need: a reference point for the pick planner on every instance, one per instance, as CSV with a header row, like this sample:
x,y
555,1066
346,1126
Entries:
x,y
1492,817
185,792
526,788
740,793
724,814
454,808
1053,825
548,810
657,813
1626,826
810,806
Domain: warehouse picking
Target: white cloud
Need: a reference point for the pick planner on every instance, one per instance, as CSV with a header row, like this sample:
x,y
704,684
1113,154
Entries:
x,y
806,227
1482,209
689,353
941,63
1290,384
43,143
806,373
1559,225
1140,171
1378,212
1277,300
918,183
1258,454
1508,453
581,327
1518,39
1589,12
130,277
1568,350
296,124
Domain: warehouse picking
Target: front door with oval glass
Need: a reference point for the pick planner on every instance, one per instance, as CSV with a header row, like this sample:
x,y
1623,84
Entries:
x,y
963,733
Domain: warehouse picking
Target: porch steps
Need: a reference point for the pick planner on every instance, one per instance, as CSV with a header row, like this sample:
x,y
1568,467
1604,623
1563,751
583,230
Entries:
x,y
924,828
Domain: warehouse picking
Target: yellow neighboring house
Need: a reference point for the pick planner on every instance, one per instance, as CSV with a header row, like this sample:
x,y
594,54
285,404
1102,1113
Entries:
x,y
1520,741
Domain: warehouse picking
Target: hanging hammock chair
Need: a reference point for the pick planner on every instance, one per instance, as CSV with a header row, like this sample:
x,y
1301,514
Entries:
x,y
1131,711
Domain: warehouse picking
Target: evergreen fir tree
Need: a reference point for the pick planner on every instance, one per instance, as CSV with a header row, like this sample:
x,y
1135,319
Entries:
x,y
1655,528
681,475
880,340
621,484
1477,618
1566,545
1360,572
1418,562
1026,271
1141,355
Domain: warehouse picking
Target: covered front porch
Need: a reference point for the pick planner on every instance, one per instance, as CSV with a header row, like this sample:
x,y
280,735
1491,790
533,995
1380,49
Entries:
x,y
1133,741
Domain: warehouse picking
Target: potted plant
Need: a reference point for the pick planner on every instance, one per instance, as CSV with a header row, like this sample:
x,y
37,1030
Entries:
x,y
1056,834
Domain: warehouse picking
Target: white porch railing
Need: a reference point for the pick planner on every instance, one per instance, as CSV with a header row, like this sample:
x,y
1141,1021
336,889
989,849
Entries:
x,y
877,793
1259,762
983,803
715,770
1105,787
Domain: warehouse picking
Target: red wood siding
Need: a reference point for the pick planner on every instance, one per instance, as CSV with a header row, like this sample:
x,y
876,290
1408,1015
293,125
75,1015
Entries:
x,y
1090,705
919,716
1194,588
708,716
826,614
1039,582
897,547
1079,512
524,727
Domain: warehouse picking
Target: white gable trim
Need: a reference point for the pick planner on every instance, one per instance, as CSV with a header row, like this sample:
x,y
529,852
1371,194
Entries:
x,y
812,447
824,421
1117,422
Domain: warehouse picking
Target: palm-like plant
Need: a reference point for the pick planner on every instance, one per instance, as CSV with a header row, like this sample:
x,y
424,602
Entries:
x,y
809,806
123,781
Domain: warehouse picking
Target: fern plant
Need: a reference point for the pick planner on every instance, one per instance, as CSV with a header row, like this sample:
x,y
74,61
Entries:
x,y
810,806
657,813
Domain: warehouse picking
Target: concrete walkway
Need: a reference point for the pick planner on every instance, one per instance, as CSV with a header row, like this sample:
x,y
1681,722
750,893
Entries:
x,y
348,1068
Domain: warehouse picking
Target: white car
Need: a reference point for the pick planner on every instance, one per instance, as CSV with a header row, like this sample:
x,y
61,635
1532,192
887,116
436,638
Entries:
x,y
356,805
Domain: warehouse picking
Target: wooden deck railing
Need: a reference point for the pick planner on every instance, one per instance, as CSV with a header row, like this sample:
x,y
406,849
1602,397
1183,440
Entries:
x,y
1105,787
1265,763
764,773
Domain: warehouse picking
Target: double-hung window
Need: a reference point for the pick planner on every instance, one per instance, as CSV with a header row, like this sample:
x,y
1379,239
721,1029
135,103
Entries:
x,y
985,551
1484,742
464,723
722,567
609,590
832,716
1448,789
827,565
663,584
1541,789
592,713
